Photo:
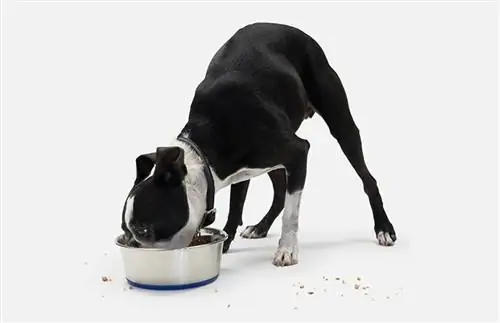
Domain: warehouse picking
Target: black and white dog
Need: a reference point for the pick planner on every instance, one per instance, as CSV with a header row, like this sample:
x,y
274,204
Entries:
x,y
258,89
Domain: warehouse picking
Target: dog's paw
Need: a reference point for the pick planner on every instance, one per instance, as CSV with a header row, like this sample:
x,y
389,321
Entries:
x,y
386,235
253,232
386,238
285,257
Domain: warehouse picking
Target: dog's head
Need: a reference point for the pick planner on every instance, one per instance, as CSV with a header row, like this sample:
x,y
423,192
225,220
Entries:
x,y
157,212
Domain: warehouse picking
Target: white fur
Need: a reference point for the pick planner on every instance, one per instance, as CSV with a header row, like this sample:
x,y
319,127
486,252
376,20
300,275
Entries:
x,y
384,239
250,233
287,253
241,175
129,210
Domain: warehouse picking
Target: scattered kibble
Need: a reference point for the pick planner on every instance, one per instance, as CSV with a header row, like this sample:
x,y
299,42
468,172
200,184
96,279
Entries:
x,y
337,278
341,295
310,293
365,287
216,290
343,281
228,305
105,279
301,286
356,286
388,297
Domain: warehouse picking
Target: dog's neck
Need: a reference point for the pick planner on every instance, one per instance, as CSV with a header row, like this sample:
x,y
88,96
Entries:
x,y
196,182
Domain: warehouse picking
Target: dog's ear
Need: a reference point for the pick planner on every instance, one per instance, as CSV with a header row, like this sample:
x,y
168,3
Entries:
x,y
170,168
144,164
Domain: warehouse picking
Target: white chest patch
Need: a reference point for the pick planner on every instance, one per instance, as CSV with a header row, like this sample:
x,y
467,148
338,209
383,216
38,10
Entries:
x,y
241,175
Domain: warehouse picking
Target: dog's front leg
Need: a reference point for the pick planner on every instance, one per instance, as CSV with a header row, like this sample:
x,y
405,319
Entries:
x,y
287,253
234,219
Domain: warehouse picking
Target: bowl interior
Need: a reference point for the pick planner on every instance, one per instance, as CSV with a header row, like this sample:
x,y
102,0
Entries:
x,y
207,236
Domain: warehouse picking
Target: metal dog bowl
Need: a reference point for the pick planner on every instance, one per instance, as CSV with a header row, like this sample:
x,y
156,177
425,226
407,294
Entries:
x,y
161,269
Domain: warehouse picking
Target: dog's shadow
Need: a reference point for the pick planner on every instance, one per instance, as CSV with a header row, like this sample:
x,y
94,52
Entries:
x,y
316,245
258,256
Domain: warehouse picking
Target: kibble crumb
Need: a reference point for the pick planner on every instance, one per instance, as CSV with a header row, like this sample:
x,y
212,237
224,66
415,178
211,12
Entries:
x,y
337,278
324,290
85,263
105,279
310,293
343,281
388,297
341,295
301,286
228,305
356,286
216,290
366,293
359,278
295,308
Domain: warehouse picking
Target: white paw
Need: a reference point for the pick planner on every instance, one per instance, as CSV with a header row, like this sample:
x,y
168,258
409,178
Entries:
x,y
251,232
384,239
285,257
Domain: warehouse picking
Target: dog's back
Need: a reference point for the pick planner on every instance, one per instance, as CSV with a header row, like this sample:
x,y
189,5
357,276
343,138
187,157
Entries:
x,y
271,63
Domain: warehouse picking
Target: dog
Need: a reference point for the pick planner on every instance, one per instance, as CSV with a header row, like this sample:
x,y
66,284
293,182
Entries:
x,y
258,89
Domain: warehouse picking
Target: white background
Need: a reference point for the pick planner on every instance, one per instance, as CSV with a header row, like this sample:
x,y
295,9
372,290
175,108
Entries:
x,y
87,86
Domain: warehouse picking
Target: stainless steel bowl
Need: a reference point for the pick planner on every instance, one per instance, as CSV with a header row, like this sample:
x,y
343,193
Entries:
x,y
161,269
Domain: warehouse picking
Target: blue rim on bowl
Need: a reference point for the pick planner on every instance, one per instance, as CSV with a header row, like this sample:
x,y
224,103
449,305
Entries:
x,y
173,287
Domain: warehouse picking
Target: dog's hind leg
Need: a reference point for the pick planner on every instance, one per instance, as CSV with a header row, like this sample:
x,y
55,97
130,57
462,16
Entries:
x,y
236,203
260,230
330,101
296,168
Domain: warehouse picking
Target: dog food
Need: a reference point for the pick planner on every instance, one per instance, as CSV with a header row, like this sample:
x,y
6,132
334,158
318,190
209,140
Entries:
x,y
200,240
